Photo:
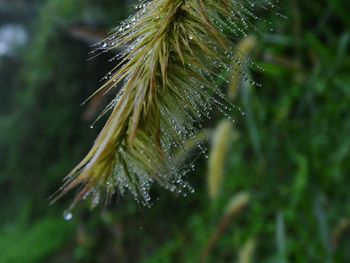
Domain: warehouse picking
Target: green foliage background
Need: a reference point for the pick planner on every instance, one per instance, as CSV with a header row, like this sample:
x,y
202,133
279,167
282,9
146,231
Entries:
x,y
293,154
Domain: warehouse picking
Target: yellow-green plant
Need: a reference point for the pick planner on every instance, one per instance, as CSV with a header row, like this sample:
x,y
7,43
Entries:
x,y
246,253
220,146
244,47
237,204
174,50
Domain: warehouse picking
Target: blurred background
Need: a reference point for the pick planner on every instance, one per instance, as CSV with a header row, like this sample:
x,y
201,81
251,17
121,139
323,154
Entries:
x,y
274,189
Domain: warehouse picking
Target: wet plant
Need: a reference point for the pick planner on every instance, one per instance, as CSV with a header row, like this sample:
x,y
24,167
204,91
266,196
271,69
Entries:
x,y
174,51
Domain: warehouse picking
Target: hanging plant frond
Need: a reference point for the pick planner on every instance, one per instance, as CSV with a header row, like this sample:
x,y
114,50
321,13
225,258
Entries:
x,y
174,51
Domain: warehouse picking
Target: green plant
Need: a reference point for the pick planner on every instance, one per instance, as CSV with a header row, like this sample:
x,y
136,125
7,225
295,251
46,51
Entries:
x,y
174,52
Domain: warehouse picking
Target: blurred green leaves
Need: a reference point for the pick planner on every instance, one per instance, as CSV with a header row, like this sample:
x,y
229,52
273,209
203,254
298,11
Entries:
x,y
298,185
33,243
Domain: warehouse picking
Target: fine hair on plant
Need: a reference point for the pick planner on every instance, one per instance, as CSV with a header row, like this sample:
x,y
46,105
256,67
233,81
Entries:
x,y
174,51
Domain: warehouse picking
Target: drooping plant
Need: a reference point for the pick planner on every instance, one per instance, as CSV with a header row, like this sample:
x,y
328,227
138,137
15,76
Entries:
x,y
173,53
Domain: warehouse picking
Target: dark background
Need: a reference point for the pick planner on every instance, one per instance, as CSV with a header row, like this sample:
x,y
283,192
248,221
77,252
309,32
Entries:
x,y
292,155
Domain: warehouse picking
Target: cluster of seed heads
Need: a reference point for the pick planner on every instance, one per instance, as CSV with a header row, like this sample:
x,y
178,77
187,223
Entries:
x,y
174,57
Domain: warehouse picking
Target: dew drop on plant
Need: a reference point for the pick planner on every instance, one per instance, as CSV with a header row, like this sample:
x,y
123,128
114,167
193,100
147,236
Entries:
x,y
67,215
200,87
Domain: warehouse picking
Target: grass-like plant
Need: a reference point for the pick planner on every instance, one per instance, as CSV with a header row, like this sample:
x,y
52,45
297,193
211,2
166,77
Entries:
x,y
220,146
174,50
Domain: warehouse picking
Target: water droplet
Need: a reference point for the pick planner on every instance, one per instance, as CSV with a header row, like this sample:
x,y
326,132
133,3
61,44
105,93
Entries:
x,y
67,215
